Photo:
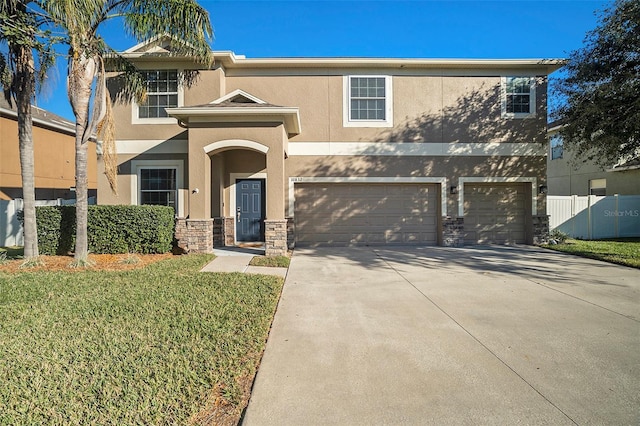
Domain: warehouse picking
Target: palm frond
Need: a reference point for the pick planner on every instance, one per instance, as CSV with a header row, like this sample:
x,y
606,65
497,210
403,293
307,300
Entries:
x,y
185,22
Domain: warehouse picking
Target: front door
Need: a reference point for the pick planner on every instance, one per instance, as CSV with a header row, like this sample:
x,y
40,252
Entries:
x,y
250,209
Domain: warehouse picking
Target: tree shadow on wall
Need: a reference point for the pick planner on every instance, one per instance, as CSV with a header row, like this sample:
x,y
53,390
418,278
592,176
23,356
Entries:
x,y
463,138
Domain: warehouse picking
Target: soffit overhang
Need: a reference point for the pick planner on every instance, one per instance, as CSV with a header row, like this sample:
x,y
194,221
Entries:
x,y
228,59
260,113
231,60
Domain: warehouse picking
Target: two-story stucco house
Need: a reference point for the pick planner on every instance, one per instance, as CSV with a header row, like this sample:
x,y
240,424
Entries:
x,y
337,150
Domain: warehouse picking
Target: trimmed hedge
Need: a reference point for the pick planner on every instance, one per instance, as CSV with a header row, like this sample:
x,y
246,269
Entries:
x,y
111,229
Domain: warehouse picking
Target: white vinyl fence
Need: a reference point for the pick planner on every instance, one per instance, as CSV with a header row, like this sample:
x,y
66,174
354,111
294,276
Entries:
x,y
11,233
592,217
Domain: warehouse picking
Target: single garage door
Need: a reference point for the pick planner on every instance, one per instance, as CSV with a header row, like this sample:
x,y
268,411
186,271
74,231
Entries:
x,y
495,213
366,214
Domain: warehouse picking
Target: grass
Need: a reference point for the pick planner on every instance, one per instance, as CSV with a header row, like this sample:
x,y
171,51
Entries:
x,y
623,251
273,261
165,344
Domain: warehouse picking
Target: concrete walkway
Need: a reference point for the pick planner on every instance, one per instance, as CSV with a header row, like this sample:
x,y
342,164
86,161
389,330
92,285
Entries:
x,y
494,335
236,259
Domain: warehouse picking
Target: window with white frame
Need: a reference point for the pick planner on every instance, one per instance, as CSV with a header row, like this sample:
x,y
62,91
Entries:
x,y
162,92
368,101
518,97
557,147
158,186
598,187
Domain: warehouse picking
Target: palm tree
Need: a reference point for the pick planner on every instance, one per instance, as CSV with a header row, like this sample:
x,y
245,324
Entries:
x,y
21,72
182,20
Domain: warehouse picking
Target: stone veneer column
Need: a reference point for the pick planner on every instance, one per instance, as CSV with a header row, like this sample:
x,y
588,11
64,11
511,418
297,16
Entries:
x,y
291,233
452,231
194,235
181,237
275,235
540,229
218,232
229,235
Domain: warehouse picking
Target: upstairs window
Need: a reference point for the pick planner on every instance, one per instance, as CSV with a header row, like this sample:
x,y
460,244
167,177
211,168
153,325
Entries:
x,y
518,97
162,92
557,148
367,101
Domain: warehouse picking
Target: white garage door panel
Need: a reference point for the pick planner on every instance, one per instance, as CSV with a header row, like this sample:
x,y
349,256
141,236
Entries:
x,y
495,214
345,213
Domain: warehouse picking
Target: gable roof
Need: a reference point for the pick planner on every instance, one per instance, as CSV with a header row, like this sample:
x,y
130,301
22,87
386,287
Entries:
x,y
41,117
238,96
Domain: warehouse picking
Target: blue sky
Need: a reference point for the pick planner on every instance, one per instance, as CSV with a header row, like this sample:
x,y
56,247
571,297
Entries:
x,y
401,29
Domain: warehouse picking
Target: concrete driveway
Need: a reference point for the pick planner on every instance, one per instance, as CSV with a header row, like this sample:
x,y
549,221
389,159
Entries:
x,y
432,335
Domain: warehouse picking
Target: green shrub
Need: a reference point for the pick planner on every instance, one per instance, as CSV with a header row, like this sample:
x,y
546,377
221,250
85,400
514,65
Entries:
x,y
111,229
56,229
558,237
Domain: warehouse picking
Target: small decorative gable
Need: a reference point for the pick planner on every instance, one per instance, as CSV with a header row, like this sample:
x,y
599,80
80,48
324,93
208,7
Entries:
x,y
160,44
238,97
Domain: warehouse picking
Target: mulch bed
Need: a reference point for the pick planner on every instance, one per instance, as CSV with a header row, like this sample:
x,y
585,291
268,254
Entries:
x,y
100,262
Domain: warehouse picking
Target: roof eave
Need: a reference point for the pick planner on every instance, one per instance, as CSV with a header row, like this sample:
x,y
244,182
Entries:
x,y
289,116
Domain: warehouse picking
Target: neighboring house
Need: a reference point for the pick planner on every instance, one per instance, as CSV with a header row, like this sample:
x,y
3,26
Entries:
x,y
54,156
565,178
337,150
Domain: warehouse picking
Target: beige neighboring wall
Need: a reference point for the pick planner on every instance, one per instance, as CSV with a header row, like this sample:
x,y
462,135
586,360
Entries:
x,y
54,162
566,178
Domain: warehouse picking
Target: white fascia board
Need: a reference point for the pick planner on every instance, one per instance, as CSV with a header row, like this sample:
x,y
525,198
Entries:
x,y
231,60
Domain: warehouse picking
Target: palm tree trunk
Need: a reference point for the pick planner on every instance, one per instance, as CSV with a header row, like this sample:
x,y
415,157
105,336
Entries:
x,y
81,74
25,87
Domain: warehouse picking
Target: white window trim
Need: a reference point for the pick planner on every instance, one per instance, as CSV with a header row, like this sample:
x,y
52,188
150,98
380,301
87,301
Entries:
x,y
159,120
400,179
559,142
532,98
599,183
137,165
233,178
346,104
532,180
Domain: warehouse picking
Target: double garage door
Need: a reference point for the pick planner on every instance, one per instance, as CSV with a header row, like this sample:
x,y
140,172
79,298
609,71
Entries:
x,y
366,214
376,214
496,213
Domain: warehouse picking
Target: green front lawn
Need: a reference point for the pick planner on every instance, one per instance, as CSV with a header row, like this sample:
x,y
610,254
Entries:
x,y
272,261
623,251
161,345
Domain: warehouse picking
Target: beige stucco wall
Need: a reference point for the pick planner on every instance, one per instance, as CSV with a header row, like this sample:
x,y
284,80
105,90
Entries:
x,y
239,161
54,162
429,107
